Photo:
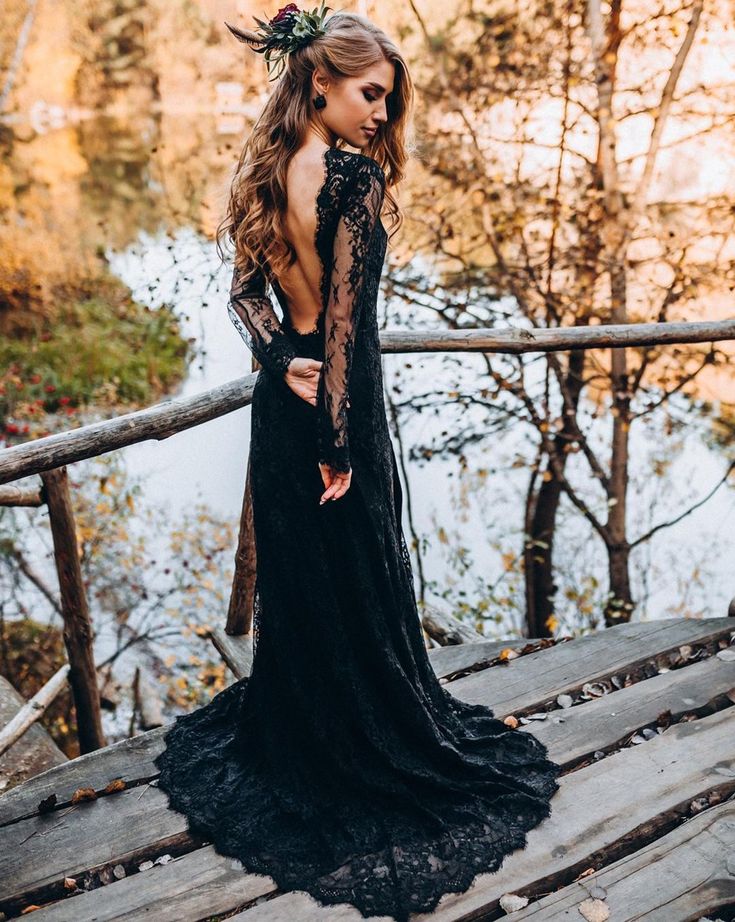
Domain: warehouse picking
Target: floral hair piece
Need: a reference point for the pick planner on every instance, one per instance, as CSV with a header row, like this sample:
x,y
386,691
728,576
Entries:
x,y
288,30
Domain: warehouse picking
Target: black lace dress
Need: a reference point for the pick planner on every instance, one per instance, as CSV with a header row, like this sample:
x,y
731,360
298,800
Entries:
x,y
341,766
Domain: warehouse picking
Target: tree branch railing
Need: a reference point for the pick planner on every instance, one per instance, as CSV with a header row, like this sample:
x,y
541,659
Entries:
x,y
171,416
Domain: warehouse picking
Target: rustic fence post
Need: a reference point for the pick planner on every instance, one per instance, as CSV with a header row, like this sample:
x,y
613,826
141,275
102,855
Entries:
x,y
240,611
77,626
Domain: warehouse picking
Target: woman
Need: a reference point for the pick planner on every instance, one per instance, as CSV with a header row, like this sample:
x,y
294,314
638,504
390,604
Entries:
x,y
340,766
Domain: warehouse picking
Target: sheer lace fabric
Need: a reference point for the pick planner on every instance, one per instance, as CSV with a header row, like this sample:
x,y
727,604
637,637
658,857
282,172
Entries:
x,y
341,766
359,199
251,310
359,209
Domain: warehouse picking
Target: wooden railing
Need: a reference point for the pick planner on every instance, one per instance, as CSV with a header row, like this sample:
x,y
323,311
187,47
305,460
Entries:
x,y
172,416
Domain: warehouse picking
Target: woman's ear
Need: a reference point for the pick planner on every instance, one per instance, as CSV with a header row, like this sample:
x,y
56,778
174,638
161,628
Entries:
x,y
319,82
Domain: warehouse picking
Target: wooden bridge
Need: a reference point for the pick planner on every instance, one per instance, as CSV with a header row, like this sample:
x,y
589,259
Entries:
x,y
643,826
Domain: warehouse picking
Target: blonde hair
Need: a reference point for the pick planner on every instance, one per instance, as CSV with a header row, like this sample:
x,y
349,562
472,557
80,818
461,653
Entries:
x,y
254,223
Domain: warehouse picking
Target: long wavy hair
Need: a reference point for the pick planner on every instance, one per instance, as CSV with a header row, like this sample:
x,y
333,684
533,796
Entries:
x,y
254,221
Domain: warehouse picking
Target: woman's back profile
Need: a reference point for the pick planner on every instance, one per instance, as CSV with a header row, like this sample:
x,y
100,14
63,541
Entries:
x,y
301,281
340,766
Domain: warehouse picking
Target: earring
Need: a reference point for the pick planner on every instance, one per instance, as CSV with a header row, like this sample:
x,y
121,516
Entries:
x,y
320,101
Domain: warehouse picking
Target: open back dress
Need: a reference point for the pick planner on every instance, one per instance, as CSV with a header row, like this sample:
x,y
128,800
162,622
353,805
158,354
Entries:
x,y
341,766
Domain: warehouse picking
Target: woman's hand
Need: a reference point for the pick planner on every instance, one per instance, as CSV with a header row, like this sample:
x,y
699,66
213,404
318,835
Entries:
x,y
302,376
336,482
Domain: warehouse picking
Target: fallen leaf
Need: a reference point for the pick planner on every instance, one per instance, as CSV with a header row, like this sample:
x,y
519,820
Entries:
x,y
594,910
117,784
511,902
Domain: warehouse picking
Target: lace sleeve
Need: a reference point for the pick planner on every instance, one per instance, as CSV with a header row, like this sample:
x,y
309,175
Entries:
x,y
251,311
360,208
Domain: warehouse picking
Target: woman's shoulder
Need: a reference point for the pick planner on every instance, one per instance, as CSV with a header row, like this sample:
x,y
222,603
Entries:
x,y
358,162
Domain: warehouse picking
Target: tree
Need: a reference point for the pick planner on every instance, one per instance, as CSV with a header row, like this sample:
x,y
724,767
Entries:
x,y
531,123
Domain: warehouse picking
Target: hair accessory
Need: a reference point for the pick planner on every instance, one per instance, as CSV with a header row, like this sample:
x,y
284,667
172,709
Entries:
x,y
289,29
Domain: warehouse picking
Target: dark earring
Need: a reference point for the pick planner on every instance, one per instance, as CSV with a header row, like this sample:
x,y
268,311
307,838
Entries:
x,y
320,101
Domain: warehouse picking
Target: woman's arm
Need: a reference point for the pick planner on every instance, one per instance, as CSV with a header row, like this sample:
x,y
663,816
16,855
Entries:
x,y
359,212
251,311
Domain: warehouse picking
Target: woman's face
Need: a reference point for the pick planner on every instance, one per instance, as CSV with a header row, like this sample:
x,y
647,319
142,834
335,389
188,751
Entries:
x,y
356,106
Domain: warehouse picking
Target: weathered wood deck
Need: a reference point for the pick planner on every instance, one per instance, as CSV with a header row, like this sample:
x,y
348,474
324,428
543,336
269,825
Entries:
x,y
643,825
33,753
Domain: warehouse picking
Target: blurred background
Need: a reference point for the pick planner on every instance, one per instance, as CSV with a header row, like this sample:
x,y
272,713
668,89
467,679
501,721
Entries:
x,y
571,165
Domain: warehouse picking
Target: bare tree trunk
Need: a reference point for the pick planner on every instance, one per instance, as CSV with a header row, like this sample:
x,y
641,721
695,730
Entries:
x,y
606,38
620,605
620,221
541,586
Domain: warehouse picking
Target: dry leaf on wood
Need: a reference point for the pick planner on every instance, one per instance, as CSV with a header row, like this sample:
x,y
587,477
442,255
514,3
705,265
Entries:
x,y
594,910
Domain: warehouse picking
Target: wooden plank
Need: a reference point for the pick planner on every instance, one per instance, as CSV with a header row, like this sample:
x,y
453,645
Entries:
x,y
193,886
131,760
594,725
33,753
695,861
235,649
640,783
540,677
580,730
33,710
556,673
644,788
129,826
301,906
443,626
457,657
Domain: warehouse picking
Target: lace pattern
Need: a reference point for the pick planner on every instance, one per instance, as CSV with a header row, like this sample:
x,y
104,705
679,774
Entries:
x,y
251,311
348,206
360,207
341,766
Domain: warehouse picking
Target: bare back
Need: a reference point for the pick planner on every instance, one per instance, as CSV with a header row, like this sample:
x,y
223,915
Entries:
x,y
300,282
